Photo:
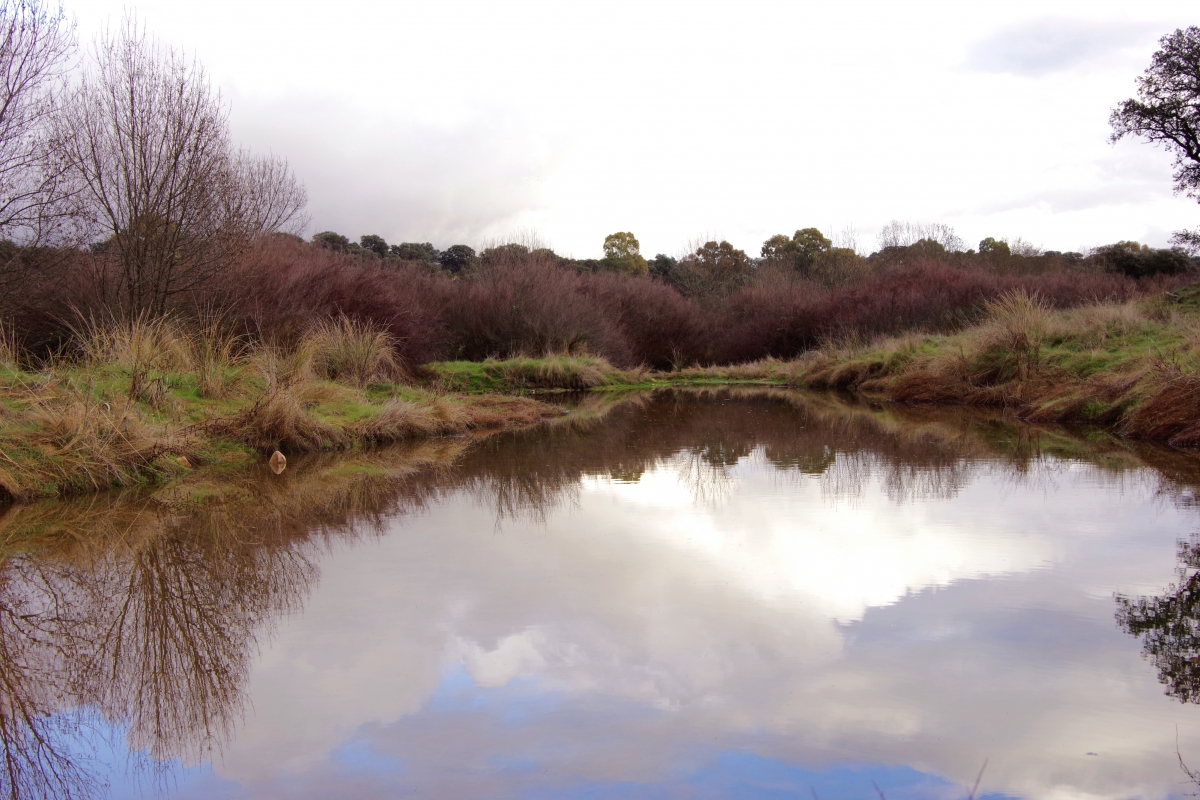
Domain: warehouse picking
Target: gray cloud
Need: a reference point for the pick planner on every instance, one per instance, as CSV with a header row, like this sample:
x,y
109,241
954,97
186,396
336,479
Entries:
x,y
384,173
1044,46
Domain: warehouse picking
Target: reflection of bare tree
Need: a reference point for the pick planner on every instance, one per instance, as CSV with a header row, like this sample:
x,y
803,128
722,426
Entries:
x,y
36,734
1169,625
172,624
707,477
147,611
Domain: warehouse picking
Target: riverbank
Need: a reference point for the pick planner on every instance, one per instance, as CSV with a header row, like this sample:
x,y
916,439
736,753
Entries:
x,y
1133,367
143,403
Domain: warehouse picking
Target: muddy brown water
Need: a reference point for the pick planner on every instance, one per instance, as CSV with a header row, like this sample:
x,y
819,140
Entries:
x,y
728,593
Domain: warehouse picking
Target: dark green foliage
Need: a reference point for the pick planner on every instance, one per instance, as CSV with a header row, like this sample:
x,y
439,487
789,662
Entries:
x,y
374,244
331,240
1139,261
622,253
662,267
587,265
456,258
1167,112
991,247
504,253
416,251
798,252
715,268
922,250
1167,108
1169,627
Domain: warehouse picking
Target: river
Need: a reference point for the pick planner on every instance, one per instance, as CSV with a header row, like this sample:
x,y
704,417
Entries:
x,y
692,594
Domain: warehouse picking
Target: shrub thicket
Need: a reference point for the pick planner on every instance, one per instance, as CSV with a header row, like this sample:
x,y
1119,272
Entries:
x,y
518,301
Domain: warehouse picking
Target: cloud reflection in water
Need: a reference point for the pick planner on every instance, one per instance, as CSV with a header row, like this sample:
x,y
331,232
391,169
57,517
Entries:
x,y
866,595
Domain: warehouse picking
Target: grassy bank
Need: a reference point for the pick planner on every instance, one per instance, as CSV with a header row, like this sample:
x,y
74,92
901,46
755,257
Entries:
x,y
144,402
1132,367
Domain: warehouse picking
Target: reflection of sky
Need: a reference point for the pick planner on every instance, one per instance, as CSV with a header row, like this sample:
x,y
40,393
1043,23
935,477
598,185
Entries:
x,y
760,643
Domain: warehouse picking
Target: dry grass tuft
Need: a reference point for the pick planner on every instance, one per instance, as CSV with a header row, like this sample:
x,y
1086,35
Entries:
x,y
556,372
1093,325
139,344
1009,344
350,350
75,444
281,367
403,419
9,348
1171,410
216,354
278,420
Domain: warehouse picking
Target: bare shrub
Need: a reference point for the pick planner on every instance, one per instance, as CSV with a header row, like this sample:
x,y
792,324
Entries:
x,y
525,304
285,286
657,325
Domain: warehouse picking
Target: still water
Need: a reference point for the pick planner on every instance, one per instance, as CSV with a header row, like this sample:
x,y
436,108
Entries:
x,y
754,594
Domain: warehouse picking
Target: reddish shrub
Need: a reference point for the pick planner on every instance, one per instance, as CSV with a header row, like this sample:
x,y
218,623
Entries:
x,y
526,304
659,327
285,285
522,302
783,319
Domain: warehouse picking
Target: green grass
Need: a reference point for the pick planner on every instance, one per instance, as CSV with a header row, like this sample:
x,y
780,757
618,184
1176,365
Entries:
x,y
77,428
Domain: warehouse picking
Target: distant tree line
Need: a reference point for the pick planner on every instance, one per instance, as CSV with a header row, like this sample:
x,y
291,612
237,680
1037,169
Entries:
x,y
717,268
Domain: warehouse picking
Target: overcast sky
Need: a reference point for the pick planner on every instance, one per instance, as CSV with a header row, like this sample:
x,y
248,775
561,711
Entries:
x,y
470,122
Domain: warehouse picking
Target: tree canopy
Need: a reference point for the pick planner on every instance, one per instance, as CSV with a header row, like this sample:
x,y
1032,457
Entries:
x,y
1166,112
623,253
799,252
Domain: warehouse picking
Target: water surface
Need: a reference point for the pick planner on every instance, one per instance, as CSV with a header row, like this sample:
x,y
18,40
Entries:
x,y
725,594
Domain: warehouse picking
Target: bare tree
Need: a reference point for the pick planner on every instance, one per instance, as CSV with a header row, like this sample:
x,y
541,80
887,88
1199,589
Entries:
x,y
36,47
37,44
270,196
145,137
904,234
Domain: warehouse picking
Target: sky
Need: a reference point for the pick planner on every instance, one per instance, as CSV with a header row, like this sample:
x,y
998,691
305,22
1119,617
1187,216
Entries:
x,y
561,122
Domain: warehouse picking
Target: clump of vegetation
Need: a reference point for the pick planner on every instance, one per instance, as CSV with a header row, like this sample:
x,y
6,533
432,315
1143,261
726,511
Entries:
x,y
353,350
522,374
142,400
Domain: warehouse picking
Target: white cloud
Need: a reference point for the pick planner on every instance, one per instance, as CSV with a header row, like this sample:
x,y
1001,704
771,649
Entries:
x,y
461,121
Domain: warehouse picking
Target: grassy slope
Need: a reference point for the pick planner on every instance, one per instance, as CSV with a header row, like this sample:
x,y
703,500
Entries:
x,y
75,430
1133,367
